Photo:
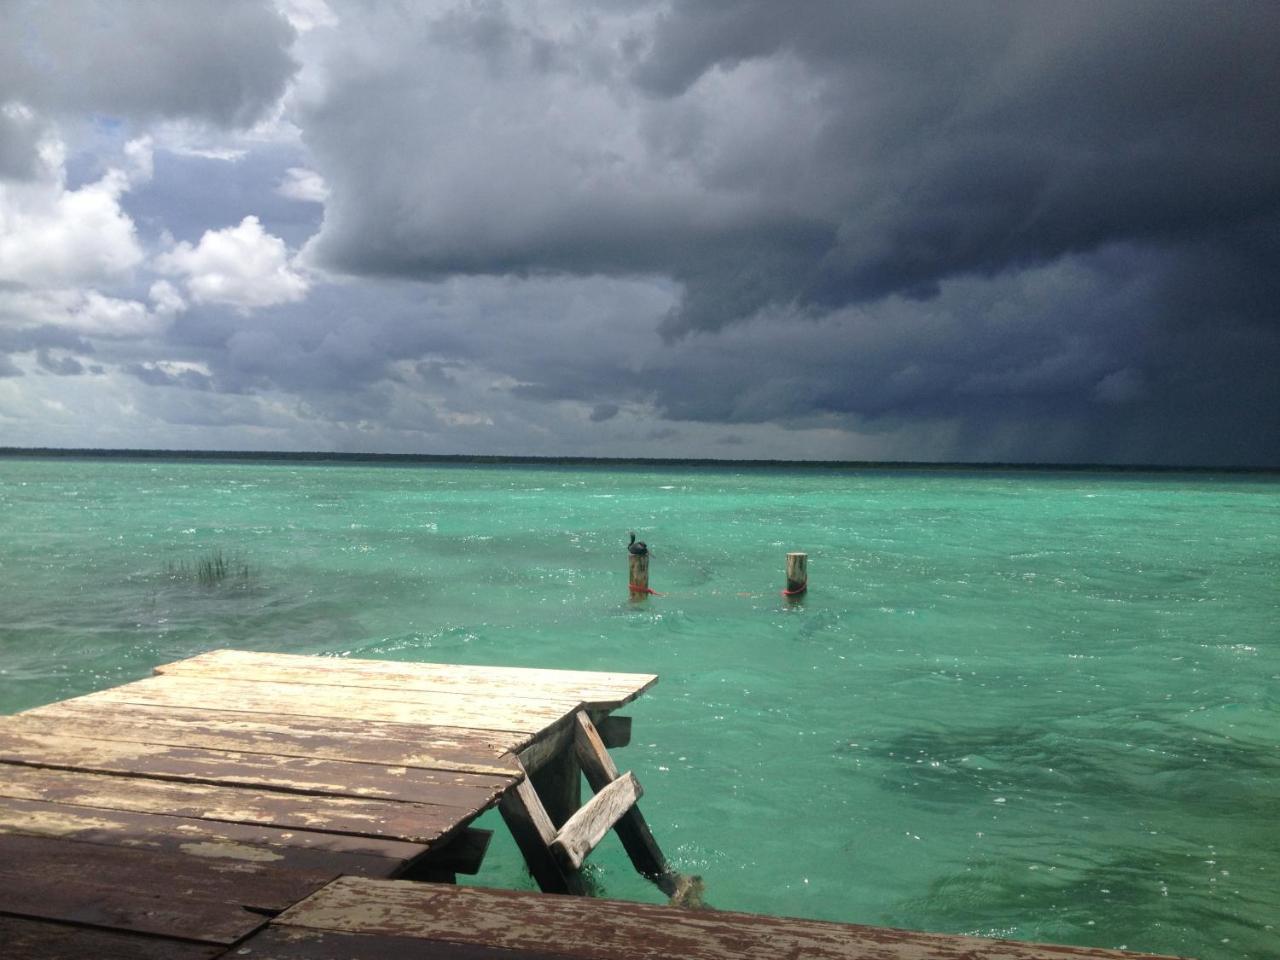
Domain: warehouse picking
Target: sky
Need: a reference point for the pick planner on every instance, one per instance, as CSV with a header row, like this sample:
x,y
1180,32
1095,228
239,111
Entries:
x,y
939,231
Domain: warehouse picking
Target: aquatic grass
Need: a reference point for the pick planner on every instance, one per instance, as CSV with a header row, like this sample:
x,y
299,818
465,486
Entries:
x,y
212,570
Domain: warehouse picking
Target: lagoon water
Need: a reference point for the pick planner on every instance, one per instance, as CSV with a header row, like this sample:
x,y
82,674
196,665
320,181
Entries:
x,y
1040,705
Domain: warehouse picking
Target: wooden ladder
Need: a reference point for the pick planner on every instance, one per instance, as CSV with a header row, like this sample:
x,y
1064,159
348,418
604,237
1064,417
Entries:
x,y
555,851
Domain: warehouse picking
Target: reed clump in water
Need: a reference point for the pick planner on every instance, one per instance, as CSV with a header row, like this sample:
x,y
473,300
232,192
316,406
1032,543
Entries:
x,y
213,570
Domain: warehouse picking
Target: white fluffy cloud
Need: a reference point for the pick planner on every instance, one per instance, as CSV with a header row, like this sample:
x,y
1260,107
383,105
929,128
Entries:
x,y
166,297
58,244
51,236
242,266
86,312
300,183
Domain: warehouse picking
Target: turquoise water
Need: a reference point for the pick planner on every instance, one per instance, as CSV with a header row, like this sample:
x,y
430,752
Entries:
x,y
1035,705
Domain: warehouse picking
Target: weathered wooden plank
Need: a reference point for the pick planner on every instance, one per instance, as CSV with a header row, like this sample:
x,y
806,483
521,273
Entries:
x,y
300,943
329,738
171,895
604,691
586,828
27,939
597,765
319,700
533,833
413,822
301,775
221,844
612,930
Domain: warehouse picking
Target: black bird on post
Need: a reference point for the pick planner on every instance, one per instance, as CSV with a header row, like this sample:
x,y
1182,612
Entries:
x,y
637,548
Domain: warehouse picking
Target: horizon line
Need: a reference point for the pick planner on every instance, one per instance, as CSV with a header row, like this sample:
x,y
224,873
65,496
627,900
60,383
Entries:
x,y
315,456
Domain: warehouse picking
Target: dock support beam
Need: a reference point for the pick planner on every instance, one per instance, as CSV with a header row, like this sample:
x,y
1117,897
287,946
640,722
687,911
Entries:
x,y
554,851
559,785
534,834
632,829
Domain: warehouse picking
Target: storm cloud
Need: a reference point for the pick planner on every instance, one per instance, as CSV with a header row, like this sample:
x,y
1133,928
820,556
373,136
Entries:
x,y
225,63
814,157
980,231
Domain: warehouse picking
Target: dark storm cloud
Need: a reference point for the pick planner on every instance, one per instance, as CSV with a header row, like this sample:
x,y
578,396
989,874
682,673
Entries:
x,y
225,63
1064,362
974,138
1022,231
934,140
1033,230
343,338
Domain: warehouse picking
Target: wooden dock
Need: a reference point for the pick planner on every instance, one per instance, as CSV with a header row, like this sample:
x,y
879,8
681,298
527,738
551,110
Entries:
x,y
184,810
261,805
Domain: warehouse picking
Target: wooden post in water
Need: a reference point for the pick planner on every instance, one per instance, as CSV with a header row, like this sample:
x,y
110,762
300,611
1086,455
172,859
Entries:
x,y
639,568
797,575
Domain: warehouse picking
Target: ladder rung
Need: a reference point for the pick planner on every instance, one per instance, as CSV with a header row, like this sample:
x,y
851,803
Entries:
x,y
586,828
